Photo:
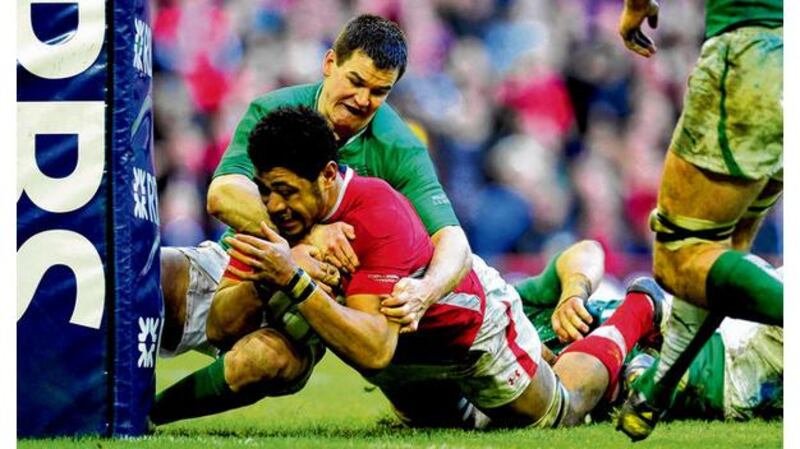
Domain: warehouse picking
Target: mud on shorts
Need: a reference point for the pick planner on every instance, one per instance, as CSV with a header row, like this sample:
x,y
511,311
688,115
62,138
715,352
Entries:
x,y
503,357
732,119
753,370
207,263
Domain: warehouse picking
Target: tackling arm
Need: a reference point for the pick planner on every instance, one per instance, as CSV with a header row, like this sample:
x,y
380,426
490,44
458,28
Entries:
x,y
234,199
452,260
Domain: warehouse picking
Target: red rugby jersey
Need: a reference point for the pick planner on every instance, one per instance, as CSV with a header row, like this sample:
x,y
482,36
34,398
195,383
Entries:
x,y
391,243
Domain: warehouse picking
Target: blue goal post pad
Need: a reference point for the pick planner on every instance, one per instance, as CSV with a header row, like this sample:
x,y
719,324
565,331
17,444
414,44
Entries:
x,y
89,307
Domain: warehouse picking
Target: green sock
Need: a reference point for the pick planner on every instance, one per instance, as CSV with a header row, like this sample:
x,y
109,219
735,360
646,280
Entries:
x,y
201,393
744,286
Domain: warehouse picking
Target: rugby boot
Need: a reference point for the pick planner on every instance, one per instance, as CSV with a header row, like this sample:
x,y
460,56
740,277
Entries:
x,y
638,418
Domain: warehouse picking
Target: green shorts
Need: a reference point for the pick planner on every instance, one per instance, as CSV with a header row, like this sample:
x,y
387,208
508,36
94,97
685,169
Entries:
x,y
732,120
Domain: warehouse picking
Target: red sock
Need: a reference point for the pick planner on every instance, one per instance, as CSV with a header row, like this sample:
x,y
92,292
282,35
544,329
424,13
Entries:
x,y
633,318
612,341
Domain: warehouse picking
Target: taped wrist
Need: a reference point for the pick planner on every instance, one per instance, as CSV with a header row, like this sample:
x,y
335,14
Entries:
x,y
300,287
577,284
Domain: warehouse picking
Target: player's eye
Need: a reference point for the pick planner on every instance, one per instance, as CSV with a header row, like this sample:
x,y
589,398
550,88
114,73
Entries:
x,y
285,193
263,190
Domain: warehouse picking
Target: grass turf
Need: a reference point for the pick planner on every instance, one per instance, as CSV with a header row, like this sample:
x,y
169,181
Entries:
x,y
338,409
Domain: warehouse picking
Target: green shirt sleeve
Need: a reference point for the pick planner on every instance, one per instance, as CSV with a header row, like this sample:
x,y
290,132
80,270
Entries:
x,y
235,160
415,177
543,290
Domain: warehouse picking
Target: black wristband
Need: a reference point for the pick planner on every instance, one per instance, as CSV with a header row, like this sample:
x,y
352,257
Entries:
x,y
300,287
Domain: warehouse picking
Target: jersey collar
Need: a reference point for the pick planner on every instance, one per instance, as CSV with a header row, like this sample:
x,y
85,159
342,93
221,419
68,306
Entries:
x,y
348,175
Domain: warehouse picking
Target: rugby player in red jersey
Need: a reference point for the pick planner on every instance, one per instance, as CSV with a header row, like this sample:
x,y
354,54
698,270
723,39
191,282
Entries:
x,y
473,343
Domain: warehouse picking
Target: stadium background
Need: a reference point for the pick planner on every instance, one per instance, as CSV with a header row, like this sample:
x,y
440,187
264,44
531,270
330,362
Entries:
x,y
543,128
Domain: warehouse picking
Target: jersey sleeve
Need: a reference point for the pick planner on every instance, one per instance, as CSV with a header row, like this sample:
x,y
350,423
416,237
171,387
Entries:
x,y
235,160
415,177
390,244
544,289
236,263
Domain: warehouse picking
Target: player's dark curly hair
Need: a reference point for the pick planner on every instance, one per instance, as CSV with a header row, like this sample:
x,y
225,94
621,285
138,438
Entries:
x,y
381,39
295,138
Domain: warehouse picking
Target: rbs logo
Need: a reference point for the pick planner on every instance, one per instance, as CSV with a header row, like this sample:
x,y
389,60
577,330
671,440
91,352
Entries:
x,y
60,195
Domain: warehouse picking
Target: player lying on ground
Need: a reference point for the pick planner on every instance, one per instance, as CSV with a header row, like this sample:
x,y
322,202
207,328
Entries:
x,y
737,375
207,391
358,73
474,342
722,174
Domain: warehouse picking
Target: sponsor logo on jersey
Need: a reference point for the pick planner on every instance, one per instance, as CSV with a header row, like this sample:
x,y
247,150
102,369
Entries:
x,y
384,278
440,199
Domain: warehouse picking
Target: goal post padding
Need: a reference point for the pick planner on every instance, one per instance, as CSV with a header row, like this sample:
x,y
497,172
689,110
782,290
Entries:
x,y
89,306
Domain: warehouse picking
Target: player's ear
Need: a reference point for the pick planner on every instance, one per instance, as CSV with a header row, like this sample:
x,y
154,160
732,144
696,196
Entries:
x,y
329,174
328,62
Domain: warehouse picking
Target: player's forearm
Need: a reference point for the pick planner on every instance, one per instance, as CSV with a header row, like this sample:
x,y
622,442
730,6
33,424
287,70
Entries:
x,y
235,200
235,311
365,341
452,260
580,268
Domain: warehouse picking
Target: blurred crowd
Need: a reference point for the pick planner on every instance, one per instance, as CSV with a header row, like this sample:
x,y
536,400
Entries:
x,y
543,128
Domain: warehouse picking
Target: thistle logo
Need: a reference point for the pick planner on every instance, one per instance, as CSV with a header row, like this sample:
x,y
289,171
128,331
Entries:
x,y
148,341
143,49
145,196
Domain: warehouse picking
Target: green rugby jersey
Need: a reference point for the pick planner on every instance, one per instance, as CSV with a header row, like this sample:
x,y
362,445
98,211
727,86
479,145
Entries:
x,y
725,15
386,148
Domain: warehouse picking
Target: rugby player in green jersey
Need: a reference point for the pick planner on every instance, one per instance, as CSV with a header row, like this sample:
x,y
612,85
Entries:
x,y
367,59
723,172
737,375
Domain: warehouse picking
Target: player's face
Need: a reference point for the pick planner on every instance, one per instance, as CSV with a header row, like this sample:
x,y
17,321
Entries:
x,y
294,203
353,91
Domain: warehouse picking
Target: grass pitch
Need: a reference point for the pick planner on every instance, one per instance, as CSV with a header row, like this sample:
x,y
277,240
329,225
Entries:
x,y
338,409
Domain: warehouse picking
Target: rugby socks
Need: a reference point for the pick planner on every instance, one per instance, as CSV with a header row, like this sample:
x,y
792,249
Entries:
x,y
688,329
744,286
739,285
201,393
612,341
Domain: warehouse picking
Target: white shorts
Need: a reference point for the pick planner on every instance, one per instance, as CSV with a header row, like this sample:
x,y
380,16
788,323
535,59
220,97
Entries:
x,y
753,369
207,263
503,357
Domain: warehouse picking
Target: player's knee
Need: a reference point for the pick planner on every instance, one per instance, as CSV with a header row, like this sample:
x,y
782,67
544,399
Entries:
x,y
262,360
683,272
674,268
